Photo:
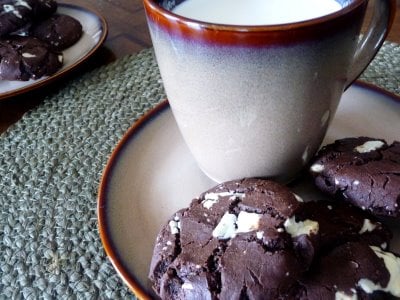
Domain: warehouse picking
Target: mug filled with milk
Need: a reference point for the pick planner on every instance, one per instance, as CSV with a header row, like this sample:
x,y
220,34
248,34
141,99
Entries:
x,y
253,84
255,12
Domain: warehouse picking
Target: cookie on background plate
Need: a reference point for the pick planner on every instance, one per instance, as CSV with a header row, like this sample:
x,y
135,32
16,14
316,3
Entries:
x,y
363,171
253,239
59,31
15,14
42,9
24,58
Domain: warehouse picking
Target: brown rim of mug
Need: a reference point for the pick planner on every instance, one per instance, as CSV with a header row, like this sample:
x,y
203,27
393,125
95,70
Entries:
x,y
256,35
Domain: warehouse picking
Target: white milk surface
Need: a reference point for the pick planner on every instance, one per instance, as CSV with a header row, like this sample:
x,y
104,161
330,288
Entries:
x,y
255,12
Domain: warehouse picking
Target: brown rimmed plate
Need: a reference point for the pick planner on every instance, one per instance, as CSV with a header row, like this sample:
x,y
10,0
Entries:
x,y
151,174
94,34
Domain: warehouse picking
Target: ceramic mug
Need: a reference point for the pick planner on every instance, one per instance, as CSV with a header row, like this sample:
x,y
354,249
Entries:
x,y
256,101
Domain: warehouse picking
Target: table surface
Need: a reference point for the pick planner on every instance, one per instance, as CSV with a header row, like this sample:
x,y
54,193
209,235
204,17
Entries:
x,y
128,34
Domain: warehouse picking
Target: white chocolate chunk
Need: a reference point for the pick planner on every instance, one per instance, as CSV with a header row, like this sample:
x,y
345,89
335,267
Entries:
x,y
211,198
317,168
392,264
226,228
298,198
260,234
28,55
187,286
247,222
230,225
208,203
369,146
174,225
8,8
23,3
17,14
298,228
367,226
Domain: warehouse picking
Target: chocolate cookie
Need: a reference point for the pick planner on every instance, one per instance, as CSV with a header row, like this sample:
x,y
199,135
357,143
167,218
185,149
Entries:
x,y
229,243
250,239
338,223
16,14
59,31
42,9
353,270
24,58
363,171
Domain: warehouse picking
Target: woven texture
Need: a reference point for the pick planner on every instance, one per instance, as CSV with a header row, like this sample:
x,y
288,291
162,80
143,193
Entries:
x,y
384,70
50,166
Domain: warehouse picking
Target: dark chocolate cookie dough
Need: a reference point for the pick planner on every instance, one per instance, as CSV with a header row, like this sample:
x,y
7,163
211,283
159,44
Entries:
x,y
24,58
363,171
253,239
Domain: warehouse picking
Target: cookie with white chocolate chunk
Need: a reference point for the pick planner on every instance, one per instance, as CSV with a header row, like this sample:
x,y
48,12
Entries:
x,y
59,31
15,14
24,58
362,171
32,36
229,238
353,270
251,239
338,223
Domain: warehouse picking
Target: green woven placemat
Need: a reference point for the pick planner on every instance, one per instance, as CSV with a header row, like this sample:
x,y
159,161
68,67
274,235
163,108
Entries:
x,y
384,70
50,166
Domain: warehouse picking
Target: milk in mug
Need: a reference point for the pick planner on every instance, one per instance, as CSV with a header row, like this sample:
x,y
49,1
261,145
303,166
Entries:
x,y
255,12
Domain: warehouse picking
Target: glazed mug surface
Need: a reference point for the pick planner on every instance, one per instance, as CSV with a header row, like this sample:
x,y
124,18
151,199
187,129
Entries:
x,y
256,101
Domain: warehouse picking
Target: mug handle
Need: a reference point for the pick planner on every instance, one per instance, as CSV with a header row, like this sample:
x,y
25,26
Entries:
x,y
381,21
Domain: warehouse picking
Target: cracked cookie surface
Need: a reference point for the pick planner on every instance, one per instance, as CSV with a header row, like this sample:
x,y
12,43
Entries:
x,y
362,171
229,243
251,239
